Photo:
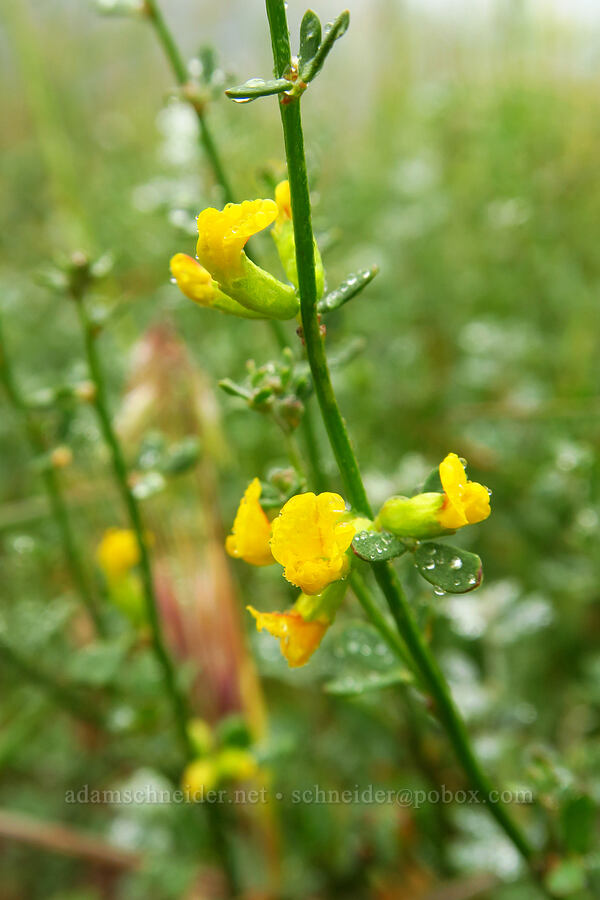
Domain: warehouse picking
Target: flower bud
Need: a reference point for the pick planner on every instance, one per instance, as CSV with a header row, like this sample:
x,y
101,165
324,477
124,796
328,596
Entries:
x,y
61,457
412,516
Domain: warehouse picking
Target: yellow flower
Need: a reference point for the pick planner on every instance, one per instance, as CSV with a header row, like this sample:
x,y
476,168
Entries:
x,y
118,552
222,235
251,530
199,777
234,762
196,283
298,639
283,201
465,502
310,539
283,235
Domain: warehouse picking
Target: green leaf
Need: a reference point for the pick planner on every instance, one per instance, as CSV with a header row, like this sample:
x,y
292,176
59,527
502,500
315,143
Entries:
x,y
349,288
361,661
433,484
258,87
333,31
578,819
450,568
567,878
310,39
377,546
235,390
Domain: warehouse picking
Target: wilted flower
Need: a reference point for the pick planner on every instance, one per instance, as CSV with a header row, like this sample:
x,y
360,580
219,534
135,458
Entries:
x,y
298,638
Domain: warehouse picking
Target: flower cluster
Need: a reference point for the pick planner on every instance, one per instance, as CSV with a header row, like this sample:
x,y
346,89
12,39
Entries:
x,y
311,538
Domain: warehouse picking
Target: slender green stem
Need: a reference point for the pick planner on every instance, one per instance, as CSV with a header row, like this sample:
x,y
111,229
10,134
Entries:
x,y
340,442
379,620
178,67
445,707
167,41
318,477
51,484
135,518
64,696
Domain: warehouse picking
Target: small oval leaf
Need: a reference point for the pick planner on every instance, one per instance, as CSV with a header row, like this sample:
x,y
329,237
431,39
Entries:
x,y
349,288
377,546
258,87
333,31
310,38
452,569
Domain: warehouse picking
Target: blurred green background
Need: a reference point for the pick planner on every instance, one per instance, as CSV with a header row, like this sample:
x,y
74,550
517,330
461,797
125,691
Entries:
x,y
458,150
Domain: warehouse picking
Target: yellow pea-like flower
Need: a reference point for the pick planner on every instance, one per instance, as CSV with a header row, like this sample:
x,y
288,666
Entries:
x,y
251,530
284,202
465,502
197,283
225,278
310,540
118,552
222,234
298,638
199,777
236,763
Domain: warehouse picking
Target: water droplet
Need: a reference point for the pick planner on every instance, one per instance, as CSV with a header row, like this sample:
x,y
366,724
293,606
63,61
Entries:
x,y
456,563
438,592
353,647
430,565
242,99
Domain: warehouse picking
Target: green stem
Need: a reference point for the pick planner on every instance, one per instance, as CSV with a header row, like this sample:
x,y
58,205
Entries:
x,y
318,477
167,41
389,634
340,442
134,514
51,484
178,67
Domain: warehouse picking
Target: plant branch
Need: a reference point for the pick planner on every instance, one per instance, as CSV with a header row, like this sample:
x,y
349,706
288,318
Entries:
x,y
342,448
130,502
178,67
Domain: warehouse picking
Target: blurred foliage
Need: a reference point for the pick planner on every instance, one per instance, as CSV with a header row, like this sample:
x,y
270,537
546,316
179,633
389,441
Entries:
x,y
462,163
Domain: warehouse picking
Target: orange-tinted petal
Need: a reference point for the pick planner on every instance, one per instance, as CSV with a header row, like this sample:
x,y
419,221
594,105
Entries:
x,y
298,639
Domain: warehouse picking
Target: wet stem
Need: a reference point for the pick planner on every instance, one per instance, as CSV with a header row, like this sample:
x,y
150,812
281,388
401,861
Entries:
x,y
424,661
211,151
130,502
173,691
